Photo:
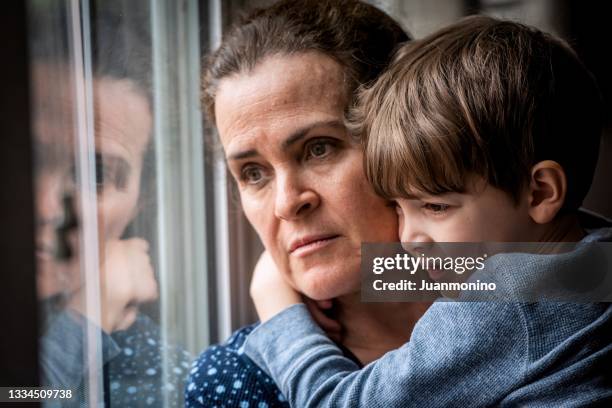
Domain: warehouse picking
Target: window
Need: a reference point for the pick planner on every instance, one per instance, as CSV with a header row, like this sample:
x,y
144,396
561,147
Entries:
x,y
124,254
143,256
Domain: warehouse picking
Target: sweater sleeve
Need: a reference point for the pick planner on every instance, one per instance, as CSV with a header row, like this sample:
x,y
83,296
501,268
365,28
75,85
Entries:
x,y
67,332
459,354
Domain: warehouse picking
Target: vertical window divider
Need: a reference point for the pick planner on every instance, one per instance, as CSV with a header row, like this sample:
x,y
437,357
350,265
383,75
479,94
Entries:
x,y
221,205
80,42
160,133
181,223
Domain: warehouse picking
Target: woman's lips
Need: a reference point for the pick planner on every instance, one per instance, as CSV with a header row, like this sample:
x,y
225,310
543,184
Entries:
x,y
307,245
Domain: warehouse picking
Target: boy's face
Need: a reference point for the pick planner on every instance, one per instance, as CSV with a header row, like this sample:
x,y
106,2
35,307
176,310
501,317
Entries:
x,y
481,214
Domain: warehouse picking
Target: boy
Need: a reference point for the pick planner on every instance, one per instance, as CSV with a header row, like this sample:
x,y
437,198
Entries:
x,y
484,131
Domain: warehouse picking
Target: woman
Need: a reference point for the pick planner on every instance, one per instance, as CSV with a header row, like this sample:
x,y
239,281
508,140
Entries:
x,y
277,89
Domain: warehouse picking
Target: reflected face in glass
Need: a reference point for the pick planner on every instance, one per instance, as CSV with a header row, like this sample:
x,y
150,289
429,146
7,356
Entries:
x,y
122,125
299,173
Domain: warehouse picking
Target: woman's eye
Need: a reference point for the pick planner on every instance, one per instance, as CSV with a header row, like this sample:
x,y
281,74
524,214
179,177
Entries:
x,y
318,149
99,177
102,174
436,208
251,174
105,175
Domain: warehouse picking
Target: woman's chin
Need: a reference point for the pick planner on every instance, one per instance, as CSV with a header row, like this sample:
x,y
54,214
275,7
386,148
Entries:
x,y
325,288
327,278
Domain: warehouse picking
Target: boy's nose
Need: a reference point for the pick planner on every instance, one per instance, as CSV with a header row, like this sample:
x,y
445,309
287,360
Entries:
x,y
410,232
294,198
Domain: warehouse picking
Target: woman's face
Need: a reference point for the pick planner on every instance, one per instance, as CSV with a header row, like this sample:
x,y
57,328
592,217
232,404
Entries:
x,y
299,173
122,132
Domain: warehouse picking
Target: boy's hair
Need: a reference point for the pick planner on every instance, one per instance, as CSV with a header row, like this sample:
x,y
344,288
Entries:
x,y
360,37
480,97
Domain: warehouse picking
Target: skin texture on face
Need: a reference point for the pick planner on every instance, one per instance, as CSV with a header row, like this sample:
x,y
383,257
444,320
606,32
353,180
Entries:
x,y
485,214
122,131
299,173
53,114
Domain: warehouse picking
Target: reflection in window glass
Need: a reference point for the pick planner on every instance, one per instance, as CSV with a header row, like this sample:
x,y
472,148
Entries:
x,y
115,304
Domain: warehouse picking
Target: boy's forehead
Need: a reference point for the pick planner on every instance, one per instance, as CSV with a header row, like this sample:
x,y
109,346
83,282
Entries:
x,y
473,185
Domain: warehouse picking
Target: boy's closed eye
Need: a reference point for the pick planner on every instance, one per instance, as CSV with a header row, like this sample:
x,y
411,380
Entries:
x,y
436,208
428,207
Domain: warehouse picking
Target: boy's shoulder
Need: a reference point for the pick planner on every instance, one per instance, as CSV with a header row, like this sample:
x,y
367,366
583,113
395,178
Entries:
x,y
224,376
530,339
552,274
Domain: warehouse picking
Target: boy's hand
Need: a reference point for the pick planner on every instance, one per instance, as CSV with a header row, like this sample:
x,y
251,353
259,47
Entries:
x,y
269,290
126,281
272,294
319,310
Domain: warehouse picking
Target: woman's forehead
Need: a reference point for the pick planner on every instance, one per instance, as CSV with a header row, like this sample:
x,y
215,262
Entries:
x,y
278,71
123,119
282,91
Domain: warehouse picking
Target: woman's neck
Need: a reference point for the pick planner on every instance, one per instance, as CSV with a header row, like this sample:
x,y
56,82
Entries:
x,y
372,329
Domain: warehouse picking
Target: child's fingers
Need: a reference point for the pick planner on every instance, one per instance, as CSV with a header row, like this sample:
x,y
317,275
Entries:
x,y
329,325
324,304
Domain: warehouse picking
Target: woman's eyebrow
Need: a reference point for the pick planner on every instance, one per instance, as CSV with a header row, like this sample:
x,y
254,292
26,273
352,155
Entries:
x,y
300,133
291,139
243,155
114,161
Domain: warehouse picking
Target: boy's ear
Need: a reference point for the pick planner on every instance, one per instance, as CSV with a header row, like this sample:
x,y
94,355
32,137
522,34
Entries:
x,y
547,191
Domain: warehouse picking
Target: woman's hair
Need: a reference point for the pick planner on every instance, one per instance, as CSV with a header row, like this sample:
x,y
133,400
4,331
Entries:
x,y
480,97
360,37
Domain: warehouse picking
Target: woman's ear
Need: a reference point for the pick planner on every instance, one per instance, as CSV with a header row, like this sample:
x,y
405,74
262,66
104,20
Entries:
x,y
547,191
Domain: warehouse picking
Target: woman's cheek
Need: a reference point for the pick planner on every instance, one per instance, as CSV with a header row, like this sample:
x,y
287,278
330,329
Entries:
x,y
114,215
260,215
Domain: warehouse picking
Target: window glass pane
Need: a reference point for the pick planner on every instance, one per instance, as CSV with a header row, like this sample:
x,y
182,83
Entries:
x,y
67,240
122,253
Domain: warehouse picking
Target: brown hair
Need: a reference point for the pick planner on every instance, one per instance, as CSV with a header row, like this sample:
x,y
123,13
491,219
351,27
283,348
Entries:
x,y
484,97
357,35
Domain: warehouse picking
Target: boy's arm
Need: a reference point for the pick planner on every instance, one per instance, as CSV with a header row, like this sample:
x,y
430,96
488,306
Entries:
x,y
459,353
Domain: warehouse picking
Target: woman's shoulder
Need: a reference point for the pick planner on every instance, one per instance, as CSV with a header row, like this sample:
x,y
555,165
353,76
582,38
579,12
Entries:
x,y
224,376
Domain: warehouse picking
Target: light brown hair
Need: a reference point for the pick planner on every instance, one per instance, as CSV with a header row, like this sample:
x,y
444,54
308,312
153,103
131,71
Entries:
x,y
357,35
480,97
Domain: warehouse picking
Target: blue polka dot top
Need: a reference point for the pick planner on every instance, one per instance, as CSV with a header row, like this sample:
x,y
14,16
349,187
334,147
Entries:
x,y
223,376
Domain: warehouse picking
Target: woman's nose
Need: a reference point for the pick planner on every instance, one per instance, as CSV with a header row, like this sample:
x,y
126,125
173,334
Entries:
x,y
294,198
48,200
